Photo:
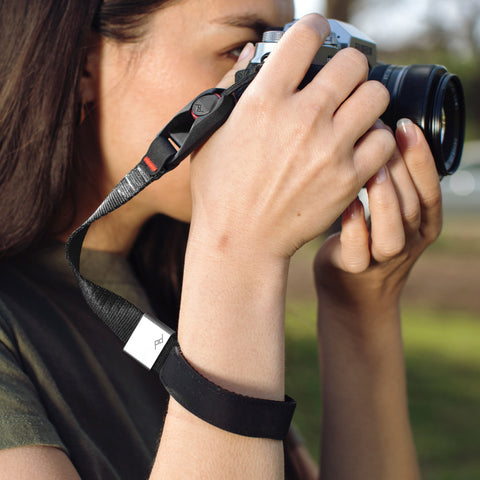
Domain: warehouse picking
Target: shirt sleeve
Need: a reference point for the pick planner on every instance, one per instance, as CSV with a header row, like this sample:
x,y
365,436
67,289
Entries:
x,y
23,419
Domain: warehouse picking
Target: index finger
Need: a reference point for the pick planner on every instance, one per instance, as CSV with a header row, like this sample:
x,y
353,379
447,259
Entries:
x,y
289,62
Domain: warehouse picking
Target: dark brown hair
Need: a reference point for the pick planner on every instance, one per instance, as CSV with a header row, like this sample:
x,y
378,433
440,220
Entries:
x,y
42,50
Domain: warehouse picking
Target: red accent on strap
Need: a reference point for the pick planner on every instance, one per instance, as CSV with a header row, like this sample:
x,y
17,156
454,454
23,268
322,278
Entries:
x,y
150,164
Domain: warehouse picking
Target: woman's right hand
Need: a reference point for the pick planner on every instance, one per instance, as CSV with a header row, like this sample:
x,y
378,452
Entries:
x,y
288,162
276,174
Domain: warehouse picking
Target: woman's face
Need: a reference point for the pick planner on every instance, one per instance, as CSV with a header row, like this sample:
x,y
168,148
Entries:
x,y
188,47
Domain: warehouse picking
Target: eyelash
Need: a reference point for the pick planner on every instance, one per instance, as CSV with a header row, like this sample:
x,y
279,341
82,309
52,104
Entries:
x,y
234,53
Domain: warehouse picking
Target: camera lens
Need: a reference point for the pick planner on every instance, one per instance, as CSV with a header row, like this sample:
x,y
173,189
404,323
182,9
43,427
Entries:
x,y
433,99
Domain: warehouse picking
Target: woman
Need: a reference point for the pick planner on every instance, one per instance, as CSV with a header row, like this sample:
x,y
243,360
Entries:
x,y
86,85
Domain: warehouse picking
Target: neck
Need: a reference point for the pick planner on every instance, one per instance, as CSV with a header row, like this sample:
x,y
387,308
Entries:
x,y
115,233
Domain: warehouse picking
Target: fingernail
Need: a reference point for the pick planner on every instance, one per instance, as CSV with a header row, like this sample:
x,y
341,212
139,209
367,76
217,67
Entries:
x,y
381,175
381,124
246,52
319,23
408,138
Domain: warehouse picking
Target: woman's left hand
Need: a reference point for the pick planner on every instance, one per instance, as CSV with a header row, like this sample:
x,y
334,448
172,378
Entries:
x,y
363,269
359,276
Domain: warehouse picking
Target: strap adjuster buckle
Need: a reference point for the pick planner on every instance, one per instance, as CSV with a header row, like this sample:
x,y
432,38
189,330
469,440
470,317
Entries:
x,y
148,340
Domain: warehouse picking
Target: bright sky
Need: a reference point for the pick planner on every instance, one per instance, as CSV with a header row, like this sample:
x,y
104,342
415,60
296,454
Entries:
x,y
391,23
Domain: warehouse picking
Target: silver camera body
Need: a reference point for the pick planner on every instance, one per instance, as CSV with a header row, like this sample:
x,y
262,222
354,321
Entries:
x,y
342,35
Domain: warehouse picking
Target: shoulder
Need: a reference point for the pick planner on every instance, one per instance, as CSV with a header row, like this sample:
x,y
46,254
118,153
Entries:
x,y
22,415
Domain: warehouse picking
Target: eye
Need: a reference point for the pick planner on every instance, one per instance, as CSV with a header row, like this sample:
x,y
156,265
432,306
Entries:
x,y
234,53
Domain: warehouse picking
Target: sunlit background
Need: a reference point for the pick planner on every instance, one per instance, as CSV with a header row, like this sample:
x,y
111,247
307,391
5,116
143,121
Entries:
x,y
441,304
404,22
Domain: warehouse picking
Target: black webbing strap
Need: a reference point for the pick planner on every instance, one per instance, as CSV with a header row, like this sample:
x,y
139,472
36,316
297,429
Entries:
x,y
252,417
118,314
146,338
186,131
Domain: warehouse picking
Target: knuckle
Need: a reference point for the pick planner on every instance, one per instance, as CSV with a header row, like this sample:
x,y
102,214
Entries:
x,y
431,233
355,264
432,229
355,57
326,98
412,217
390,144
383,204
380,92
385,144
389,249
433,201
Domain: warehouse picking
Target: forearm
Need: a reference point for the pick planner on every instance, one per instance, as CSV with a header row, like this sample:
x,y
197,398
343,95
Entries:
x,y
230,330
366,432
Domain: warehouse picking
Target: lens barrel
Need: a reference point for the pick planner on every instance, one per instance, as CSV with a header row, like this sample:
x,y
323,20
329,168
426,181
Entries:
x,y
433,99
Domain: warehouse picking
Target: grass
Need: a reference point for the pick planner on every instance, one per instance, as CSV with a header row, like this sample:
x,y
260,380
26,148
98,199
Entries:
x,y
443,366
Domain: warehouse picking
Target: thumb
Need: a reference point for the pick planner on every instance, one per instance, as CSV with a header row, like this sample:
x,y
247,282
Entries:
x,y
244,58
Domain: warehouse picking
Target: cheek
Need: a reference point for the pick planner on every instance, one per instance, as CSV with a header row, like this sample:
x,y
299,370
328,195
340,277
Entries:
x,y
133,109
136,108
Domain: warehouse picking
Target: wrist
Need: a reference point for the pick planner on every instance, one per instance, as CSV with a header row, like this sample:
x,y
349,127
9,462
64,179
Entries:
x,y
236,236
370,339
358,318
231,318
358,307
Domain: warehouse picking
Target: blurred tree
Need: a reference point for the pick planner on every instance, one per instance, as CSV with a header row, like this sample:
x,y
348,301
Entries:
x,y
340,9
462,40
463,35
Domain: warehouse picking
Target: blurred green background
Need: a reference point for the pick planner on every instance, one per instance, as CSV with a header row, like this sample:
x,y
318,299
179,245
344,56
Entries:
x,y
441,326
441,304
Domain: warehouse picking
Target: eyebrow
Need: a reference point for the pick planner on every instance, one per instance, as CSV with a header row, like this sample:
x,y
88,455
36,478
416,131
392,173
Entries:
x,y
253,22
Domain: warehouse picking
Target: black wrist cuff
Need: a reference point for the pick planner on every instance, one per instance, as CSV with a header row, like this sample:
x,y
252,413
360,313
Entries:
x,y
235,413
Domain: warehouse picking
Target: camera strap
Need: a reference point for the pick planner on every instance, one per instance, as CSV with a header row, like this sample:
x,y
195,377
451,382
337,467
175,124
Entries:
x,y
146,338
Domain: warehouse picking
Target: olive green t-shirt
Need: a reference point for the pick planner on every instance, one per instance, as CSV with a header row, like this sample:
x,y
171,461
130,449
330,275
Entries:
x,y
64,379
